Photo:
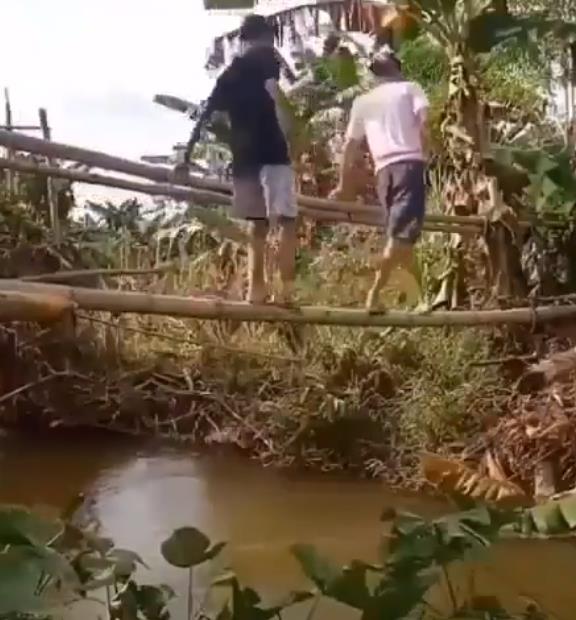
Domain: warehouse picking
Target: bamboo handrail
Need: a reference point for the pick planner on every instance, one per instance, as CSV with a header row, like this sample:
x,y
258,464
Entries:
x,y
162,174
217,309
207,196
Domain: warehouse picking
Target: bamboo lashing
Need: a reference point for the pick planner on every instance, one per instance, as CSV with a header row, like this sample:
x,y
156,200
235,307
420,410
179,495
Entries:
x,y
217,309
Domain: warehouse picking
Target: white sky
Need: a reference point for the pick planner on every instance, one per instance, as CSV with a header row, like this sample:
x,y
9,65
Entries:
x,y
96,65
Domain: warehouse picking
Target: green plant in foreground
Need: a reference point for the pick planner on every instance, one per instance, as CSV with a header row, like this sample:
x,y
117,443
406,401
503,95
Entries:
x,y
45,564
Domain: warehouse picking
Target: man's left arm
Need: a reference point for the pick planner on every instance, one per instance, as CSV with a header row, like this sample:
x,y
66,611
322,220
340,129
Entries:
x,y
277,95
420,107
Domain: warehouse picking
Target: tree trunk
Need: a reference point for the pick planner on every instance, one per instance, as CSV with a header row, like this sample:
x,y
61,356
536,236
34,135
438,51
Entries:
x,y
470,192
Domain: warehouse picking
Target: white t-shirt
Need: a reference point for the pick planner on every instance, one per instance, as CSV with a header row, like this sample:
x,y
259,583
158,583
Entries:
x,y
391,117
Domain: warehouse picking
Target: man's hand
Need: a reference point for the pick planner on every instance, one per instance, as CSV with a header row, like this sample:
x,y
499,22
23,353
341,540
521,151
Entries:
x,y
341,194
181,173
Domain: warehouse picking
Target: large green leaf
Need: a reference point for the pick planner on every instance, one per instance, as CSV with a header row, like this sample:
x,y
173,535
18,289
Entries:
x,y
246,603
23,569
20,526
188,546
416,544
347,585
125,562
153,601
551,182
557,517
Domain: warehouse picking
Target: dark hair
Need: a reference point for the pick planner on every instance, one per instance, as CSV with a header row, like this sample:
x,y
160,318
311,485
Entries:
x,y
255,27
385,66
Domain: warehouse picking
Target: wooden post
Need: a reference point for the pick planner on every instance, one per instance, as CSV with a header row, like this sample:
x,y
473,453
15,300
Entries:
x,y
9,151
52,195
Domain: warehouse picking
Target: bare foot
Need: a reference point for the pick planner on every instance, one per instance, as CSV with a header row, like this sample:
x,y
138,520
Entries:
x,y
257,296
372,303
423,308
286,296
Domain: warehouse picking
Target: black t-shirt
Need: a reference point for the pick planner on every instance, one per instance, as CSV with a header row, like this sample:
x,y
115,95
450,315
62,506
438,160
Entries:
x,y
256,136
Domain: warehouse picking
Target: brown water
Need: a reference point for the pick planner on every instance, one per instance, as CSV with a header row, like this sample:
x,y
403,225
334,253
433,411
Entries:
x,y
142,492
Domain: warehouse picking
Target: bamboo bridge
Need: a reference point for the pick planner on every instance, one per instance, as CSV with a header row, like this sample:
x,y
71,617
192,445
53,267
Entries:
x,y
36,299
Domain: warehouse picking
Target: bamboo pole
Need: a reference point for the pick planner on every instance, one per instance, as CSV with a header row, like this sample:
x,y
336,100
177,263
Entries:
x,y
163,174
52,196
44,307
210,197
119,302
63,276
9,129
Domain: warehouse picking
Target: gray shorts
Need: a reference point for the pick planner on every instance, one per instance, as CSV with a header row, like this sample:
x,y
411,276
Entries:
x,y
402,192
267,195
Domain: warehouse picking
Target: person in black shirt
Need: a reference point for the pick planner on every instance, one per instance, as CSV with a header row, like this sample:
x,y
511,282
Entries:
x,y
263,179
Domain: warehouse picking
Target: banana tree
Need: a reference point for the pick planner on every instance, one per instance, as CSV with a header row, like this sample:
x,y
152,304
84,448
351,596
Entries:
x,y
467,30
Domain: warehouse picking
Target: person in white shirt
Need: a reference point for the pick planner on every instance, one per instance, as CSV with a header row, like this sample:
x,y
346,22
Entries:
x,y
392,117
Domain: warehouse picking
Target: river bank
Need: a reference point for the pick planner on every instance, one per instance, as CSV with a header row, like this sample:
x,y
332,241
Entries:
x,y
339,400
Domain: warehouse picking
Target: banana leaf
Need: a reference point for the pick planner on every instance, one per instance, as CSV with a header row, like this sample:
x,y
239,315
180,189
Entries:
x,y
455,477
554,518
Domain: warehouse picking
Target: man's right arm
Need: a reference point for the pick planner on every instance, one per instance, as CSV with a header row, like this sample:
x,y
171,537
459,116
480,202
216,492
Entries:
x,y
355,134
212,105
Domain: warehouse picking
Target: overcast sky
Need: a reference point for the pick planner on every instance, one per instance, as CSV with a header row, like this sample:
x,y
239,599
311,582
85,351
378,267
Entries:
x,y
96,65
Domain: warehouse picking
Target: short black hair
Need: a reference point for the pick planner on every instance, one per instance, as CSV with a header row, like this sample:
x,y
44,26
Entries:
x,y
255,27
385,65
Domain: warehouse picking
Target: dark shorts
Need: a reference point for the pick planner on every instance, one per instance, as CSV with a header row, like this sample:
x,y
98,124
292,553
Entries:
x,y
402,192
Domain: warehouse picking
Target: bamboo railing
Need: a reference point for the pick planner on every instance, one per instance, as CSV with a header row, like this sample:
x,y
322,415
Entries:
x,y
59,298
206,191
35,301
201,196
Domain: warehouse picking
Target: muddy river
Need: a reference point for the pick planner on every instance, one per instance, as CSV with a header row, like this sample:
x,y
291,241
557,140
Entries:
x,y
140,492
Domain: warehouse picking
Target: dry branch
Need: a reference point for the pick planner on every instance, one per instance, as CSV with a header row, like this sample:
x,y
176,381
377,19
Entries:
x,y
217,309
162,174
